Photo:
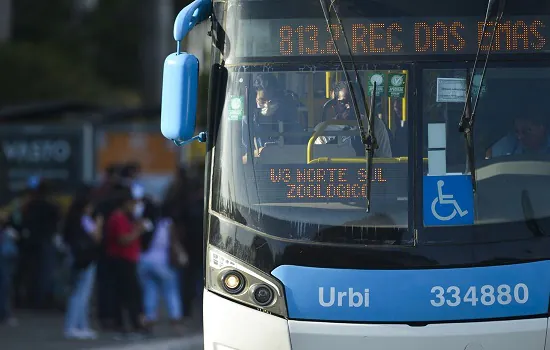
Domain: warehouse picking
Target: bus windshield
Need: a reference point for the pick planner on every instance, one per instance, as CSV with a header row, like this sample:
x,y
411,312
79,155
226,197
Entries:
x,y
289,151
511,142
288,156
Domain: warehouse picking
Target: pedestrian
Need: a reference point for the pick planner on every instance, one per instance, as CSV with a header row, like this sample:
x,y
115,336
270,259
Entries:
x,y
8,261
158,270
123,246
107,202
41,219
82,234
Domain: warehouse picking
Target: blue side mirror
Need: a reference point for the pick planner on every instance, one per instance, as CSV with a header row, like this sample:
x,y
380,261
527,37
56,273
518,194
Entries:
x,y
180,84
179,96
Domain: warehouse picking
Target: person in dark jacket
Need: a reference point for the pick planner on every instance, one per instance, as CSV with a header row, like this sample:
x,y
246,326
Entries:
x,y
274,108
41,219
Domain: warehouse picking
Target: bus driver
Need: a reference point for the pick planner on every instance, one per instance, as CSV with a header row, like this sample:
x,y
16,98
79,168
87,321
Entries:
x,y
530,137
343,111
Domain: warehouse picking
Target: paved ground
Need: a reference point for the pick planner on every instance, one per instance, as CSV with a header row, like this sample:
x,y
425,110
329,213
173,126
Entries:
x,y
193,342
45,332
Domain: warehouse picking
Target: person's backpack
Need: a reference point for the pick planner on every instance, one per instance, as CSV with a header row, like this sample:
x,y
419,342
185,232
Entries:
x,y
150,213
84,249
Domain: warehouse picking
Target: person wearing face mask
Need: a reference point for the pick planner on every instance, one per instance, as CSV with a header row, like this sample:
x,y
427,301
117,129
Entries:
x,y
343,110
123,246
130,173
138,193
273,108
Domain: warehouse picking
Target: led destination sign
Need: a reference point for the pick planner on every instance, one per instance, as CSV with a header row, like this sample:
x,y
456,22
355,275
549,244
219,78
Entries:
x,y
329,183
394,36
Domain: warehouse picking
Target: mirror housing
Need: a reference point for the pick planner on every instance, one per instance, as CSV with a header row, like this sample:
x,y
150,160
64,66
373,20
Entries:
x,y
179,96
180,83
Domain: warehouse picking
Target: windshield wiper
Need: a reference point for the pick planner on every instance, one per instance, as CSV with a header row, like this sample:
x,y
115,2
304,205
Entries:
x,y
368,137
466,125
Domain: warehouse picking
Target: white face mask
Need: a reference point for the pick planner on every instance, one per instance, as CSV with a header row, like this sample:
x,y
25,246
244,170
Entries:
x,y
269,109
139,209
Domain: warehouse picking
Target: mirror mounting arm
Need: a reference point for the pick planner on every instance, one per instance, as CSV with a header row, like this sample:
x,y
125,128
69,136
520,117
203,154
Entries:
x,y
191,15
201,137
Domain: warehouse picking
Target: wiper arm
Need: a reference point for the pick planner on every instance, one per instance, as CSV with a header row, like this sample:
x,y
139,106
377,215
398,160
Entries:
x,y
466,125
368,137
467,117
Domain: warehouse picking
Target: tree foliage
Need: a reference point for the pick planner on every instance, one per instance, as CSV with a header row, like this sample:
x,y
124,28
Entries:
x,y
39,72
57,52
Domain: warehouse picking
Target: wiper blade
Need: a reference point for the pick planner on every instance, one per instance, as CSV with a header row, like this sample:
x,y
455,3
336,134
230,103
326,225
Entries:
x,y
466,125
370,150
368,137
467,117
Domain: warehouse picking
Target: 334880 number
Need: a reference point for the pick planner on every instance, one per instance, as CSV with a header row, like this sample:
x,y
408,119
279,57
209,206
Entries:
x,y
486,295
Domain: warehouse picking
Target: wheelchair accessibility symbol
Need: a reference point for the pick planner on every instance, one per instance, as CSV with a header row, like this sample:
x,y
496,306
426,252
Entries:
x,y
448,200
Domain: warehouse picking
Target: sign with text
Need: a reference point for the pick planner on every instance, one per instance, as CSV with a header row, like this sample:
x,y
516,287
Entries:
x,y
52,153
397,85
394,36
428,295
329,183
454,89
380,79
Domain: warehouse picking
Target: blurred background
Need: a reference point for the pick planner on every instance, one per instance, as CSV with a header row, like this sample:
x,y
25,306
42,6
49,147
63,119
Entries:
x,y
80,89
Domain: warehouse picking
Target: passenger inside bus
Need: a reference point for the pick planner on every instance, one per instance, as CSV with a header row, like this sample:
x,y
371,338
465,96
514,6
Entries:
x,y
530,137
275,111
343,111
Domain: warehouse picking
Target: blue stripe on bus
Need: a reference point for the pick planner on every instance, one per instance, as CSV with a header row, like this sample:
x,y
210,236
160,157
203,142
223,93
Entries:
x,y
416,295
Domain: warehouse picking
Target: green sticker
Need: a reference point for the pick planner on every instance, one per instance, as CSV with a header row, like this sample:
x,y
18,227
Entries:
x,y
380,79
236,108
398,83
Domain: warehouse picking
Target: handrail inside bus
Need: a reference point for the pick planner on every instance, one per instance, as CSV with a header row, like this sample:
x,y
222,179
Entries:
x,y
320,131
362,160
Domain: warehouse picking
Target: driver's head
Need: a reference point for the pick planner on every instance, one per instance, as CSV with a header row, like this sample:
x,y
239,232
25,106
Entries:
x,y
531,131
343,107
267,94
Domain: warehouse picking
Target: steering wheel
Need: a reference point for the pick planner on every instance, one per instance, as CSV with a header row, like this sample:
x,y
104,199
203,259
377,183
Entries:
x,y
329,104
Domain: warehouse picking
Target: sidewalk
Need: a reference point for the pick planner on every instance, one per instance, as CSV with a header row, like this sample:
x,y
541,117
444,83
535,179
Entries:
x,y
194,342
44,331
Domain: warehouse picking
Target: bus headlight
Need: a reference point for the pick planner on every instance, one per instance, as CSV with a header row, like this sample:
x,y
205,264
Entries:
x,y
233,282
262,294
238,281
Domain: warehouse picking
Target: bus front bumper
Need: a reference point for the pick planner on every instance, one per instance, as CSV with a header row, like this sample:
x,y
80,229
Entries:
x,y
231,326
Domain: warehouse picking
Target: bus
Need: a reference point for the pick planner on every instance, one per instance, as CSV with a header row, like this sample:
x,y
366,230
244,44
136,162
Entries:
x,y
377,172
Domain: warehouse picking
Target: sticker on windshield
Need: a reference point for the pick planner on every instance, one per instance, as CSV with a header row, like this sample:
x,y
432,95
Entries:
x,y
236,108
451,90
454,89
448,200
398,82
379,78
